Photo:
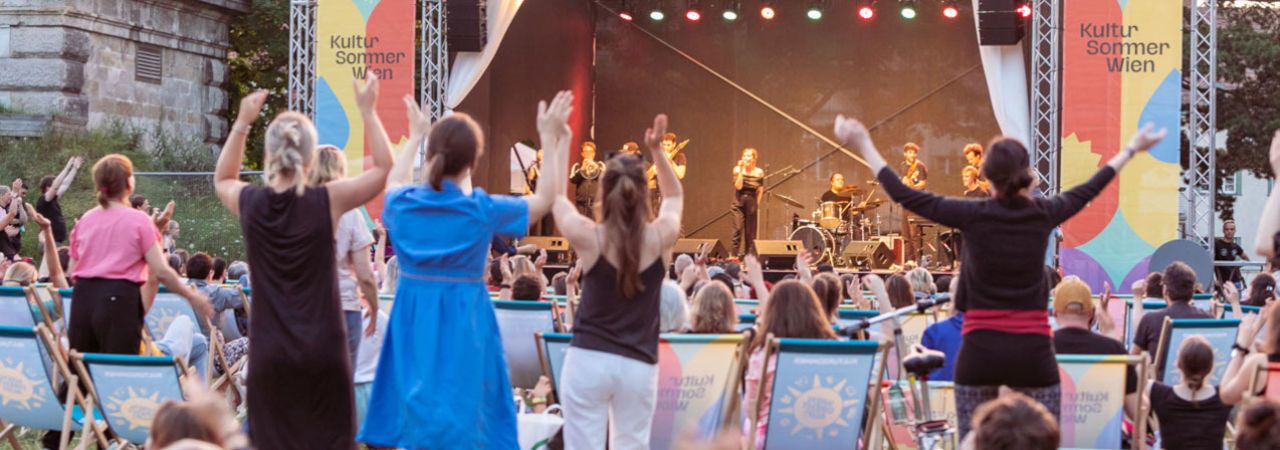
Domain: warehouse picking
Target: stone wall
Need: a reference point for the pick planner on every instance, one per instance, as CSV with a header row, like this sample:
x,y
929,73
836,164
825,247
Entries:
x,y
76,59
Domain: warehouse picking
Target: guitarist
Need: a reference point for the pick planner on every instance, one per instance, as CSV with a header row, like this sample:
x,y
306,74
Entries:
x,y
673,152
915,176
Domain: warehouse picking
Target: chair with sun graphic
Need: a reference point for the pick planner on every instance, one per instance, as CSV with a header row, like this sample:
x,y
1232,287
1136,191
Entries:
x,y
1221,334
129,389
818,394
1093,402
29,360
168,306
551,350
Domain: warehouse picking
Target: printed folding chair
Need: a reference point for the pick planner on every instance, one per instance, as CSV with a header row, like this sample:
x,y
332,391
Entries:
x,y
695,378
745,321
16,309
1093,403
1267,380
744,306
551,350
28,387
1221,334
1130,324
129,389
819,394
518,321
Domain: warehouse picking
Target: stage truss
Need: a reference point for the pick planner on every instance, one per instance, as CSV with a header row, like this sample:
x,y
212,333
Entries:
x,y
1199,189
1046,109
302,56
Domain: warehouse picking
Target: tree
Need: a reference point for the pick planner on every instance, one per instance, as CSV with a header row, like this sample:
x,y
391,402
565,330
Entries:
x,y
1248,99
259,59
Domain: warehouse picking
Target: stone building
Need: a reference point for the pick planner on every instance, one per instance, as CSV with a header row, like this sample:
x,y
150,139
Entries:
x,y
155,64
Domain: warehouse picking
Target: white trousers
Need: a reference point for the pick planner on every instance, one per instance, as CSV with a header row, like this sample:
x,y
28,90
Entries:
x,y
603,389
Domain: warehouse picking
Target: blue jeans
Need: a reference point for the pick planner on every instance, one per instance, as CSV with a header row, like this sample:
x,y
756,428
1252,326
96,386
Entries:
x,y
183,340
355,331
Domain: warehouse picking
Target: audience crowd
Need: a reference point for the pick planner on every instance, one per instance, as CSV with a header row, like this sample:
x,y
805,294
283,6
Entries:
x,y
329,367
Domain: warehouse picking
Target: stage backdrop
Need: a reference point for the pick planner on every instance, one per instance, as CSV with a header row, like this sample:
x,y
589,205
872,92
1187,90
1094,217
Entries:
x,y
354,37
1122,64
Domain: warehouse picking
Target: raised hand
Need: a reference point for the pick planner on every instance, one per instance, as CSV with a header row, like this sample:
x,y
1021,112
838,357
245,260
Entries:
x,y
366,97
653,135
1145,138
250,107
162,219
850,131
505,268
553,118
541,260
419,121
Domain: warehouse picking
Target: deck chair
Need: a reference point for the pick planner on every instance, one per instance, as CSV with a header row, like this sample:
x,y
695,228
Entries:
x,y
166,307
129,389
518,322
694,374
29,397
1130,324
16,309
1093,402
1221,334
819,394
1268,378
551,350
48,302
744,306
846,317
745,321
1245,309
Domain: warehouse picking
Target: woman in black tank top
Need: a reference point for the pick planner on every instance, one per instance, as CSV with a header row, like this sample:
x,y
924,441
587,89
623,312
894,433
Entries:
x,y
610,376
748,185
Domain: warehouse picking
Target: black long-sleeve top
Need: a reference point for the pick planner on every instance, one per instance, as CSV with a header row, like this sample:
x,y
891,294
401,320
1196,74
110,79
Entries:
x,y
1007,340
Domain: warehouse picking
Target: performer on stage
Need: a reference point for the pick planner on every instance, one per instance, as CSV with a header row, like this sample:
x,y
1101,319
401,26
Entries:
x,y
915,176
672,151
835,190
748,181
585,177
973,158
972,185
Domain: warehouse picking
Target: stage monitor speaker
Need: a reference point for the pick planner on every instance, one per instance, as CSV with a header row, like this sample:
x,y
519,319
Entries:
x,y
874,255
778,255
465,25
690,247
999,22
557,247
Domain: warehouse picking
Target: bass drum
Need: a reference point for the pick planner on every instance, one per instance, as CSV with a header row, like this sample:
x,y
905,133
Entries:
x,y
817,241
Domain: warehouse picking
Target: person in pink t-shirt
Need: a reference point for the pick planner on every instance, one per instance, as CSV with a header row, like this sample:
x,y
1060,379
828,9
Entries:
x,y
113,247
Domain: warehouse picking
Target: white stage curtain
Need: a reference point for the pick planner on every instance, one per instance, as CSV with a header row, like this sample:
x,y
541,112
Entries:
x,y
468,67
1006,72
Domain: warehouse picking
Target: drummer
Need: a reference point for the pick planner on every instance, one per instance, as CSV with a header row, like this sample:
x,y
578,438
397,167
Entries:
x,y
836,192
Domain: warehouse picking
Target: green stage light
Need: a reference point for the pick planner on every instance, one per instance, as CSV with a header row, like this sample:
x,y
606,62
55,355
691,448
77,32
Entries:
x,y
657,15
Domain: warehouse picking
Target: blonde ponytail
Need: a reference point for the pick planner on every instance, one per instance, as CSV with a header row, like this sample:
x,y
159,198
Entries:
x,y
290,149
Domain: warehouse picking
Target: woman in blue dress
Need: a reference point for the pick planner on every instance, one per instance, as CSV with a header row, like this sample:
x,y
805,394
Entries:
x,y
442,379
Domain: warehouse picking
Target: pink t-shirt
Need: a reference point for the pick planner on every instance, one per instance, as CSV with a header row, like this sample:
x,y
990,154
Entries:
x,y
112,243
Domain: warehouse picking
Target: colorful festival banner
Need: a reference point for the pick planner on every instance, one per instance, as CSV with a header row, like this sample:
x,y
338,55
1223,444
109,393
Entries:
x,y
693,371
353,38
1092,400
1121,68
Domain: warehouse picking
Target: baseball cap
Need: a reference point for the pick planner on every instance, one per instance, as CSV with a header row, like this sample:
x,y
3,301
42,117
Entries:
x,y
1073,296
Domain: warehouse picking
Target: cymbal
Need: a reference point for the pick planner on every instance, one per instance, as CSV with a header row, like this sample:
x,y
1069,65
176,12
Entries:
x,y
851,189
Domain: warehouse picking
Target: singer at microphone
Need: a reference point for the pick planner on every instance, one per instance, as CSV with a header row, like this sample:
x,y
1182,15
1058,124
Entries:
x,y
748,183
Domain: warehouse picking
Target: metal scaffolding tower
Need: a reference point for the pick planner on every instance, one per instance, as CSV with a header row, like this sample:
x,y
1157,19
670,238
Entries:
x,y
1046,60
302,56
434,54
1199,188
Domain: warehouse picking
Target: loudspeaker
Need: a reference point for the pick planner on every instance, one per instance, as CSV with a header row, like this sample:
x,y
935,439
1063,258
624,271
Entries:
x,y
465,25
999,23
868,254
690,247
557,247
778,255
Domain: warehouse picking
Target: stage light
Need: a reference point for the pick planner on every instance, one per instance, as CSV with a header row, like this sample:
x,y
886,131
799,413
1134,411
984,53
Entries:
x,y
625,12
731,11
767,12
657,15
949,9
908,9
692,11
1023,10
813,14
625,15
866,9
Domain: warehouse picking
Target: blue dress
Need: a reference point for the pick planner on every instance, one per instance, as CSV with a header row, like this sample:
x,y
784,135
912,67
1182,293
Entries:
x,y
442,378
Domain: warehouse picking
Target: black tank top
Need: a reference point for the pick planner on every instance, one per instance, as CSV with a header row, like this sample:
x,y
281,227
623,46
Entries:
x,y
751,183
609,323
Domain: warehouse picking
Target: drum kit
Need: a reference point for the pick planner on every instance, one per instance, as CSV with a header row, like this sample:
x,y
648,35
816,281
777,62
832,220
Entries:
x,y
834,224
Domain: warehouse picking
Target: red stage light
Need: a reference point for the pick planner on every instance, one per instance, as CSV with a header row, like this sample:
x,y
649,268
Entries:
x,y
625,16
950,12
1024,10
693,15
768,13
866,12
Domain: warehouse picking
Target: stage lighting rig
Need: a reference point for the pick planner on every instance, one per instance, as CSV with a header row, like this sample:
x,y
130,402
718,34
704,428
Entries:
x,y
1023,10
657,15
815,10
866,9
767,11
950,9
908,10
732,10
692,10
625,12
